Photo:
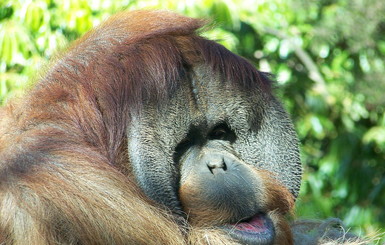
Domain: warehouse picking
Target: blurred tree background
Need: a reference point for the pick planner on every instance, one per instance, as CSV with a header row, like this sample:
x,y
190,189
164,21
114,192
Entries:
x,y
328,58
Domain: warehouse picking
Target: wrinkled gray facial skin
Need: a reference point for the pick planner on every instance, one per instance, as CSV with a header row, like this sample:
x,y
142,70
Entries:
x,y
264,135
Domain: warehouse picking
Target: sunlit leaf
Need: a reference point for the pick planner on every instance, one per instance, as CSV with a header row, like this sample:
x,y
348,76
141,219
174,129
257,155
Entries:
x,y
376,134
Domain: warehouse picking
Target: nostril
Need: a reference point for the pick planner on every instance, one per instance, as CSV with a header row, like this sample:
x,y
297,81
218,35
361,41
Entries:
x,y
215,166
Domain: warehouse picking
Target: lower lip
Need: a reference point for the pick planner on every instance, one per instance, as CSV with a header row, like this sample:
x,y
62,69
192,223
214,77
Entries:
x,y
257,224
257,230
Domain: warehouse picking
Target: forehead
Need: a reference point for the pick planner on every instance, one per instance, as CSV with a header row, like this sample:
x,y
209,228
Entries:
x,y
218,99
204,99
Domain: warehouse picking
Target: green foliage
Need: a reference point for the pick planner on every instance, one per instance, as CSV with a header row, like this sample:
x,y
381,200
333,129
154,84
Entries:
x,y
328,57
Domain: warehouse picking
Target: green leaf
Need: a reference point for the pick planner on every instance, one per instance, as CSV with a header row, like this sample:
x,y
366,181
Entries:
x,y
375,134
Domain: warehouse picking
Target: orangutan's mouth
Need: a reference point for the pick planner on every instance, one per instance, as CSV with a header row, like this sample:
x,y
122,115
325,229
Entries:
x,y
258,229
